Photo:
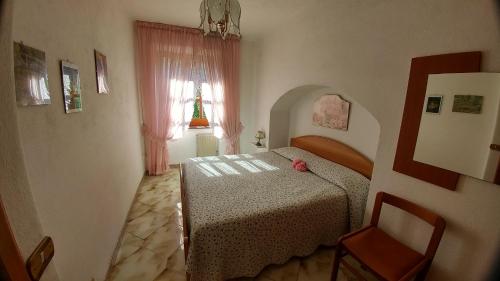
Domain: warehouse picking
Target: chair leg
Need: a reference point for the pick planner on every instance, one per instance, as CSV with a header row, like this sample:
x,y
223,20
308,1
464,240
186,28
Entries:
x,y
336,261
423,273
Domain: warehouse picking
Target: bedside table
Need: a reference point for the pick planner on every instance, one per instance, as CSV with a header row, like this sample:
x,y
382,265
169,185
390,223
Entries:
x,y
258,149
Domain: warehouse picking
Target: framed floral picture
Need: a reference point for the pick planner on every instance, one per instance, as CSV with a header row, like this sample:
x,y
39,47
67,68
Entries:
x,y
101,69
71,87
31,78
331,111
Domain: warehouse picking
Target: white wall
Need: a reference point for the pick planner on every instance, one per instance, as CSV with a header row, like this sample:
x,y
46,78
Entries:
x,y
84,167
279,129
364,48
279,124
185,147
363,130
459,141
291,116
248,94
15,191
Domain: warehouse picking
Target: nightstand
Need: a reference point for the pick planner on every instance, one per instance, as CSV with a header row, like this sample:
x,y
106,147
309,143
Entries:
x,y
258,149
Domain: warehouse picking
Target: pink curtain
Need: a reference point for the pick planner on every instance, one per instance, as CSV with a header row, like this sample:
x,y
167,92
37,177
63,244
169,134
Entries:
x,y
221,62
165,57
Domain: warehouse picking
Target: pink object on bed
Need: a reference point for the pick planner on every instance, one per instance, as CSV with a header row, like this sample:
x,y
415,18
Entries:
x,y
299,165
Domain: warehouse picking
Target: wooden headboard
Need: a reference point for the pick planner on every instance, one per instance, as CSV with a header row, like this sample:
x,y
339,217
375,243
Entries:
x,y
335,151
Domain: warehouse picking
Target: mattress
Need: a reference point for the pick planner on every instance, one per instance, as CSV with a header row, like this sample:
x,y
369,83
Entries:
x,y
249,211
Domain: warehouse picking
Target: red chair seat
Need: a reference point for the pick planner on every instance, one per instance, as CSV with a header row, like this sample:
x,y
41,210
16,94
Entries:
x,y
382,253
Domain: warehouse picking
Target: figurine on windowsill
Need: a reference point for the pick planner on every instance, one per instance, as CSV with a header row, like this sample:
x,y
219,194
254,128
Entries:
x,y
199,119
260,135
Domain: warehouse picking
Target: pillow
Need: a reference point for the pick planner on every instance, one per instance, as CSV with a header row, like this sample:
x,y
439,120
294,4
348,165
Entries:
x,y
355,184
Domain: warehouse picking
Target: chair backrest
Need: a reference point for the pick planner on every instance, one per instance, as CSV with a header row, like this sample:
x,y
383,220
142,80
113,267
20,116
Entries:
x,y
412,208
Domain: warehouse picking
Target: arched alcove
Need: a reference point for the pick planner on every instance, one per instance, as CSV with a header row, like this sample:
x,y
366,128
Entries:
x,y
291,116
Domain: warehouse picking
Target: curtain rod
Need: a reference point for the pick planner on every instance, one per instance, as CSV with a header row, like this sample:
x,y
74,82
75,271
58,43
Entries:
x,y
164,26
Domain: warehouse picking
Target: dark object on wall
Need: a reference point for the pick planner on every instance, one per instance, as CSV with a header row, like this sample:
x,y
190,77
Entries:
x,y
30,70
467,104
421,67
101,70
71,87
434,104
40,258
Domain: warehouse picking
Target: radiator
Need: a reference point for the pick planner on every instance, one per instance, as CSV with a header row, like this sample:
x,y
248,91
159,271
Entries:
x,y
207,145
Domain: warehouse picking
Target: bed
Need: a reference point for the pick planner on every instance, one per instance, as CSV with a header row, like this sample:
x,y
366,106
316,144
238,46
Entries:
x,y
244,212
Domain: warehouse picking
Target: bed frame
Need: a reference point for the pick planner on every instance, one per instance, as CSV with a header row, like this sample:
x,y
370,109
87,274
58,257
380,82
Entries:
x,y
324,147
335,151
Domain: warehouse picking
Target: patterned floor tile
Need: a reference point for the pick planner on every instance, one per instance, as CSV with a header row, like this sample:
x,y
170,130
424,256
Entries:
x,y
169,275
143,265
167,204
138,209
316,267
129,245
284,272
176,270
166,240
153,196
146,224
152,250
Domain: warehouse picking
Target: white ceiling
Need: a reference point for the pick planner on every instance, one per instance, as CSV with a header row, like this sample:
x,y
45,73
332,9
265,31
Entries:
x,y
258,16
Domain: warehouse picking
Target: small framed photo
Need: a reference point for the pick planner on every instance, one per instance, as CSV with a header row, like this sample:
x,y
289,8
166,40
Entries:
x,y
101,69
71,87
433,104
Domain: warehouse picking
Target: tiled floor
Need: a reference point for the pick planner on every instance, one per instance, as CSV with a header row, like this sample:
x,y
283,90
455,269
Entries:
x,y
151,248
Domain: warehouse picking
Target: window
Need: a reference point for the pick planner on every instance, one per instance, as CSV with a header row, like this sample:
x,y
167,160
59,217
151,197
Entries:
x,y
202,103
196,109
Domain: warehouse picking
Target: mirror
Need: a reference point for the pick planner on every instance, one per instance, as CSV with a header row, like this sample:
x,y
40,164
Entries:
x,y
460,124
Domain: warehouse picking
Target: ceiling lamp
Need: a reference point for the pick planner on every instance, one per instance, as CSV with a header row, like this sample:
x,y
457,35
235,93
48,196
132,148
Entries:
x,y
222,16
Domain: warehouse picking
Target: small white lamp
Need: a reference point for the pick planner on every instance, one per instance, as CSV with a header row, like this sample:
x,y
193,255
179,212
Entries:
x,y
260,135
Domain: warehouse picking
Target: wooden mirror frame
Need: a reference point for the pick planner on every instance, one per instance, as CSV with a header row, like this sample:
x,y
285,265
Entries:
x,y
421,67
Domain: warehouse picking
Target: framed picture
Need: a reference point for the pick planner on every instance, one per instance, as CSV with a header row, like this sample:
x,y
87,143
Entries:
x,y
31,78
71,87
467,104
101,69
433,104
331,111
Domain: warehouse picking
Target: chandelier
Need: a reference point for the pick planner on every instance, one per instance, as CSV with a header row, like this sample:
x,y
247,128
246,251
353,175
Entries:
x,y
222,16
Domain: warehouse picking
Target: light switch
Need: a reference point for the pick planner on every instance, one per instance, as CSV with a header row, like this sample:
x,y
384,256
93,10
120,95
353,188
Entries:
x,y
40,258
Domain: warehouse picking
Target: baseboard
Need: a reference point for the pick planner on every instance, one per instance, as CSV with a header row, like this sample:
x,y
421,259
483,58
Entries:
x,y
171,166
122,232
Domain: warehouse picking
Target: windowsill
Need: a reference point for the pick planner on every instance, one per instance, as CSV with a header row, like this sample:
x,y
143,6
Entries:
x,y
199,128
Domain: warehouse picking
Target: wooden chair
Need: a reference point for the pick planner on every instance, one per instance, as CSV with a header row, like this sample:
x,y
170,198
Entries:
x,y
387,258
